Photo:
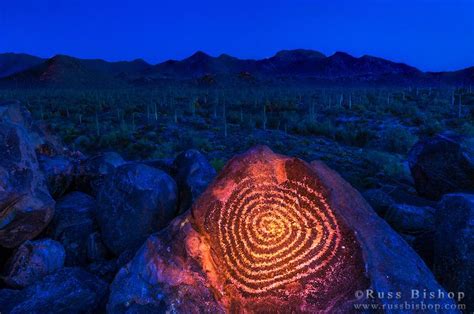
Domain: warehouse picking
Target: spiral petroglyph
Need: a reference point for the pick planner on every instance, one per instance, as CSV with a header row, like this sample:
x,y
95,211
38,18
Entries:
x,y
273,234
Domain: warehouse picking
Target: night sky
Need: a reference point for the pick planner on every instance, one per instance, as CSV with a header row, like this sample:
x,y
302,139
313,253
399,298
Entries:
x,y
431,35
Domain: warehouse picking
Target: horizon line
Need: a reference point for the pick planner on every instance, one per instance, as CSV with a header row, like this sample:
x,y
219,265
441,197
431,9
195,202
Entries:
x,y
233,56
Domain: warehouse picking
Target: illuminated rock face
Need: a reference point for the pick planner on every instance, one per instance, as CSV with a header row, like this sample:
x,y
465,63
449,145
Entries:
x,y
271,234
276,241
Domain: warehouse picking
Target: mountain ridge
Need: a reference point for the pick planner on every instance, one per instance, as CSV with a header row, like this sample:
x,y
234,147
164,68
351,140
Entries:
x,y
340,67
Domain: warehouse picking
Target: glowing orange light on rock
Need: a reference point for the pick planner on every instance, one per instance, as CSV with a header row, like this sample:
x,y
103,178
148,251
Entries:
x,y
274,237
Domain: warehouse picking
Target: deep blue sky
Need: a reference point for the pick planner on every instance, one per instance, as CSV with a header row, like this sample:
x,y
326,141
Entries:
x,y
429,34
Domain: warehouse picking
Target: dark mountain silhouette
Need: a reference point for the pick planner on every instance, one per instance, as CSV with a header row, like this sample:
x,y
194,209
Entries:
x,y
461,77
65,71
200,64
11,63
286,62
342,64
293,63
300,64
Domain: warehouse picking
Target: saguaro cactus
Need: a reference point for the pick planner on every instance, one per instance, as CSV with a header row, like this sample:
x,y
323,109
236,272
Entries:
x,y
264,116
460,106
224,116
97,123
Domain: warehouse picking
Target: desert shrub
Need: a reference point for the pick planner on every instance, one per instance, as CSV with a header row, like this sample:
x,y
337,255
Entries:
x,y
279,146
467,129
233,117
190,139
360,108
82,142
404,110
418,119
218,164
258,120
274,122
251,141
163,150
151,135
471,112
69,133
321,128
398,140
248,124
202,143
430,128
141,148
381,163
354,136
114,139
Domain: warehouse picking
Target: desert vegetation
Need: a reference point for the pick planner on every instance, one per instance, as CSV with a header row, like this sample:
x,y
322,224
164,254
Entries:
x,y
372,127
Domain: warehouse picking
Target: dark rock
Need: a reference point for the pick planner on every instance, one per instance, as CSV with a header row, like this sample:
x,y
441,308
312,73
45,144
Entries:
x,y
125,258
72,224
13,111
134,201
163,164
403,194
393,266
423,244
379,200
442,164
32,261
59,173
69,290
104,269
96,250
193,173
91,171
454,245
5,254
410,219
42,140
163,276
204,261
26,206
107,269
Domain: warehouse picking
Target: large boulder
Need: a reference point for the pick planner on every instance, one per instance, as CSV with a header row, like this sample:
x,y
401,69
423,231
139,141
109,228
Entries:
x,y
32,261
442,164
416,224
135,201
193,173
165,164
411,219
26,206
42,140
91,171
164,276
454,245
73,223
55,160
69,290
379,200
59,173
272,234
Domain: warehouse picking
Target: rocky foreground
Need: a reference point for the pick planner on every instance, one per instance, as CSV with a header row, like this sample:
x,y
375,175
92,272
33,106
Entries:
x,y
86,234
